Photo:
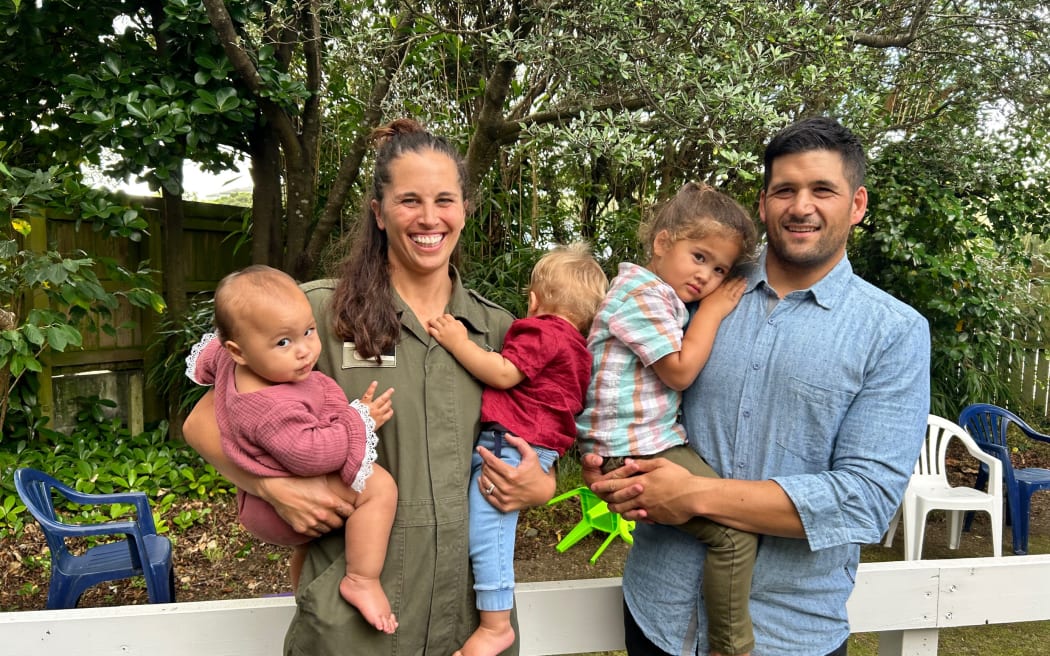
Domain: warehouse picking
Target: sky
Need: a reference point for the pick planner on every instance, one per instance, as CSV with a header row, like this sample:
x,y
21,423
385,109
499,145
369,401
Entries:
x,y
197,183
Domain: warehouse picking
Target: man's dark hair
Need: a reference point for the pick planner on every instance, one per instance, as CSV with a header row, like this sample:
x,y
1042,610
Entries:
x,y
819,133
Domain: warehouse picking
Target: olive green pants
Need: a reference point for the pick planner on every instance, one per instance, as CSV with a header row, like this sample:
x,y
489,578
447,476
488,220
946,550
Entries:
x,y
727,569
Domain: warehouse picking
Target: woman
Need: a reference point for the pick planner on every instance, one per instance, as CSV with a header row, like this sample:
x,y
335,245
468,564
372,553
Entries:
x,y
372,321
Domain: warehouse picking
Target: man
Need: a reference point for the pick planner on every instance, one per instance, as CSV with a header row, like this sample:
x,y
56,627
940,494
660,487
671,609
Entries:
x,y
812,407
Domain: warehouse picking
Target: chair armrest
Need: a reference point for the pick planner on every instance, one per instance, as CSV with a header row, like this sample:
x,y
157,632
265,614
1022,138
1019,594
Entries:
x,y
82,530
137,499
1033,434
995,465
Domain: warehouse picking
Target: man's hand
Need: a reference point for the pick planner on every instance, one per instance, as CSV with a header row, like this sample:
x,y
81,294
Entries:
x,y
654,489
616,486
309,505
516,488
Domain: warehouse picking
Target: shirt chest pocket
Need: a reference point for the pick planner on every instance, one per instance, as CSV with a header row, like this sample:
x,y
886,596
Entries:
x,y
811,421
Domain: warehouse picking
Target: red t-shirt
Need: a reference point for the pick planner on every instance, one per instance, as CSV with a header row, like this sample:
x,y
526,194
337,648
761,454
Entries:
x,y
553,356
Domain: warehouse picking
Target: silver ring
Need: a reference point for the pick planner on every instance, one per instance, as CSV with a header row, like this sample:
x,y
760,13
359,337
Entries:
x,y
492,486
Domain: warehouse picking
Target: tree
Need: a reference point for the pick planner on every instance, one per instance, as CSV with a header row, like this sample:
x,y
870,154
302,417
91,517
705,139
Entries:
x,y
140,80
574,116
946,231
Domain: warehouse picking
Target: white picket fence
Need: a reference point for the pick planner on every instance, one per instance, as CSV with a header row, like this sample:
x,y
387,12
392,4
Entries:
x,y
905,602
1030,374
1029,371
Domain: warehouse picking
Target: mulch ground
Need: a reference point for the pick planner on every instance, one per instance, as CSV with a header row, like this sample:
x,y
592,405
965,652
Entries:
x,y
217,559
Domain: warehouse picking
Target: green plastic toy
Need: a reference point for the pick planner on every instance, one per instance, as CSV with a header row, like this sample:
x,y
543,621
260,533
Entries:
x,y
596,516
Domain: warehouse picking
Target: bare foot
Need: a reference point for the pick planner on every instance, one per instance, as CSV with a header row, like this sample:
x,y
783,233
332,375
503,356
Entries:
x,y
486,641
367,596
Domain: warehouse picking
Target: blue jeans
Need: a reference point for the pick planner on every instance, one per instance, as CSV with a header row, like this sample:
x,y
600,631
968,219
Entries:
x,y
492,532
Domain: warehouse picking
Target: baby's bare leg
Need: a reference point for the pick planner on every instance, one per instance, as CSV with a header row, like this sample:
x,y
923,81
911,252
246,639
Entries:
x,y
298,558
367,535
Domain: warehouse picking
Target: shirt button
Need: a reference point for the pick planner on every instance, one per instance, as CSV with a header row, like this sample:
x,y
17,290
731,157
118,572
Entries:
x,y
755,366
747,414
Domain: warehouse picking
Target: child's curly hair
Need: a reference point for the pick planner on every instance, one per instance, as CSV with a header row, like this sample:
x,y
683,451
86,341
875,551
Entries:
x,y
696,211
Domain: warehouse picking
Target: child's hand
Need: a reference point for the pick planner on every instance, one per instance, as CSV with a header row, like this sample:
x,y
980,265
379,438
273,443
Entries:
x,y
379,408
721,302
447,330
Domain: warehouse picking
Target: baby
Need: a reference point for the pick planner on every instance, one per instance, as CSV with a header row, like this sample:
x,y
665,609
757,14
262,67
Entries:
x,y
279,417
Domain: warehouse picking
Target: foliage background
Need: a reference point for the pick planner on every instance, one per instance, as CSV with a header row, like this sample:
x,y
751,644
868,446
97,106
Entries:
x,y
575,118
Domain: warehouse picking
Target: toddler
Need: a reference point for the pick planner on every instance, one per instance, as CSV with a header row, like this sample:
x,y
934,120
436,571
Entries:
x,y
644,358
534,388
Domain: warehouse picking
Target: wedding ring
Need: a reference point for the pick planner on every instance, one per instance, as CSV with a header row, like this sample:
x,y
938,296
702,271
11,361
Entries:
x,y
492,486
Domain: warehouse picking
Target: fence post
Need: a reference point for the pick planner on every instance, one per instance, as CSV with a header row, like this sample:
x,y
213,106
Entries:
x,y
37,243
914,642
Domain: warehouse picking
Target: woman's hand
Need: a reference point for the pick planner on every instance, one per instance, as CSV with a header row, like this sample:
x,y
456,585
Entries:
x,y
309,505
516,488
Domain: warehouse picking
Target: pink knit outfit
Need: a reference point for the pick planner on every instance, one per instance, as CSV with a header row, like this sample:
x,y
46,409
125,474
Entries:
x,y
289,429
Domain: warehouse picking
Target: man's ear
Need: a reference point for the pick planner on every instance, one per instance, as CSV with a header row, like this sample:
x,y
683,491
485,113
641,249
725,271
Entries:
x,y
235,352
860,205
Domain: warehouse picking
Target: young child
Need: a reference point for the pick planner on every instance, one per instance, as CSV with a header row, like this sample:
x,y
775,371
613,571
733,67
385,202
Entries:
x,y
534,388
643,359
279,417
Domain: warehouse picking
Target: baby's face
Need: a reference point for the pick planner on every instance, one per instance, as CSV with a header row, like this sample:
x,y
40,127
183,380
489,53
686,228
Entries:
x,y
279,341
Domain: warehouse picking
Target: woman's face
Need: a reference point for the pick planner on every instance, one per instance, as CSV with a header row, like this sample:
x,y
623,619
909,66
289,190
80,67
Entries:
x,y
422,212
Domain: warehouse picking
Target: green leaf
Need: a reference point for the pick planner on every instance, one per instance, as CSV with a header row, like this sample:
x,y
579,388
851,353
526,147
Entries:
x,y
33,334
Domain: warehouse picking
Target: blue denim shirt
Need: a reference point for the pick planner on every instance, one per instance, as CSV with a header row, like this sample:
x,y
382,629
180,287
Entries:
x,y
826,392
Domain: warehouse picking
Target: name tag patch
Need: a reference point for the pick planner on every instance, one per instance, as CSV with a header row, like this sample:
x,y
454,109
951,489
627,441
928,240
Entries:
x,y
352,359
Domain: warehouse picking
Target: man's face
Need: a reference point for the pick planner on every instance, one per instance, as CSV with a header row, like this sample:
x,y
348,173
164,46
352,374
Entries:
x,y
809,209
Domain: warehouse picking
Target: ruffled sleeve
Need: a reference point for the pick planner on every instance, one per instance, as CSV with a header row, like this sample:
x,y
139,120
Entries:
x,y
200,365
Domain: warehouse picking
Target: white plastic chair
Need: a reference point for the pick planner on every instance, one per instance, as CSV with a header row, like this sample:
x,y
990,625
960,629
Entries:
x,y
929,490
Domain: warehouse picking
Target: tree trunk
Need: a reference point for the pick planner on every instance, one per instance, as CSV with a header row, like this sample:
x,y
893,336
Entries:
x,y
350,168
174,289
267,209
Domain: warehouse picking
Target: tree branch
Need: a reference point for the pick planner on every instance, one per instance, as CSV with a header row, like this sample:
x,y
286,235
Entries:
x,y
900,39
231,44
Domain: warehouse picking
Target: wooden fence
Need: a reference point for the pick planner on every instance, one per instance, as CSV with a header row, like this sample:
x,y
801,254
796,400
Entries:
x,y
906,602
1030,374
113,366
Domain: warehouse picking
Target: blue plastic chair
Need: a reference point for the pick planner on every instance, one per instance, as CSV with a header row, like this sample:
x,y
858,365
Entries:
x,y
595,516
141,553
988,425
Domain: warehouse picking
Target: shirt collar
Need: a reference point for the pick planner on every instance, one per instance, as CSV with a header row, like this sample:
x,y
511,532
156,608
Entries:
x,y
462,304
825,293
